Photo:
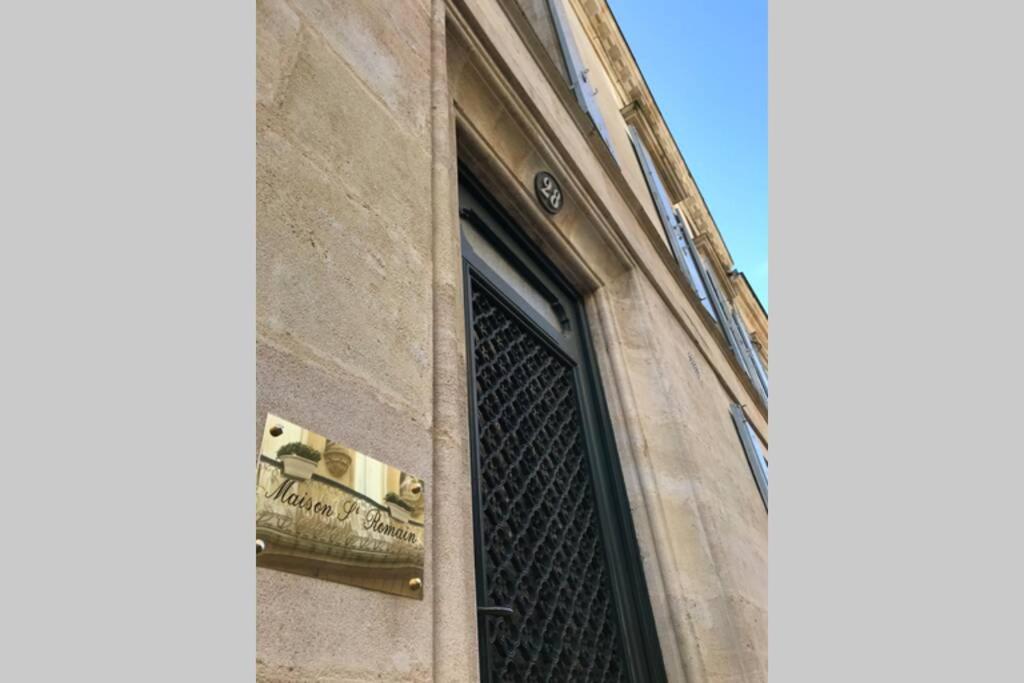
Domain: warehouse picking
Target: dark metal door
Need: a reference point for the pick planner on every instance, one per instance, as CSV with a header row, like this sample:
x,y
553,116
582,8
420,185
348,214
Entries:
x,y
559,586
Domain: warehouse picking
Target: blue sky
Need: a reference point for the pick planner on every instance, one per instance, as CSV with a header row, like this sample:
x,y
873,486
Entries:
x,y
706,61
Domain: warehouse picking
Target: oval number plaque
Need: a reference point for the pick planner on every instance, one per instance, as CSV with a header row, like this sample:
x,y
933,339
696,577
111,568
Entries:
x,y
549,194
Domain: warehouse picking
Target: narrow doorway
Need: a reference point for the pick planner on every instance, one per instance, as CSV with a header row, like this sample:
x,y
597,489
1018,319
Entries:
x,y
560,589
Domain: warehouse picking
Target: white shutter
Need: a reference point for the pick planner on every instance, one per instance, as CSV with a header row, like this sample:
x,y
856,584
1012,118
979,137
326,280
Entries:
x,y
658,194
697,275
732,334
723,312
577,69
755,360
756,460
662,203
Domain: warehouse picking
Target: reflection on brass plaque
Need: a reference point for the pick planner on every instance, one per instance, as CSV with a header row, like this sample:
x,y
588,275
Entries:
x,y
325,510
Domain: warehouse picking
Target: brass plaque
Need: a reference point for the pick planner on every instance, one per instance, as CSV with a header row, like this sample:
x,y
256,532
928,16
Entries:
x,y
325,510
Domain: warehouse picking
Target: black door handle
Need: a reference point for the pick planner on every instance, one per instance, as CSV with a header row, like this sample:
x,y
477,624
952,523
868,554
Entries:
x,y
504,612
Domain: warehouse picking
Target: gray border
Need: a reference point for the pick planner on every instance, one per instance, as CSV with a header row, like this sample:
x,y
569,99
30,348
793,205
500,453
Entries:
x,y
129,350
896,145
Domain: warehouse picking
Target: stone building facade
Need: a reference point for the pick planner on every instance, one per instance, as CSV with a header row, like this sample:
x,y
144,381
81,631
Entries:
x,y
401,147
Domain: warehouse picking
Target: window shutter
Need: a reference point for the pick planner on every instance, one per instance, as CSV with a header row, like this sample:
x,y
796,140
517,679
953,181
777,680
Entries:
x,y
696,275
732,334
657,190
661,202
723,313
577,69
754,457
754,360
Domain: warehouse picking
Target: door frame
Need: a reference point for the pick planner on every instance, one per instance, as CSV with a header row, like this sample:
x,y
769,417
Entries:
x,y
641,647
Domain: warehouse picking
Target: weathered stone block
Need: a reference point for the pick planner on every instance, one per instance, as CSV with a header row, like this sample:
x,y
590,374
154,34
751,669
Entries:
x,y
343,127
387,45
326,261
277,31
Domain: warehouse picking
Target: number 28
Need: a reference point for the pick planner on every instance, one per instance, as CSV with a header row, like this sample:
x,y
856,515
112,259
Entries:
x,y
551,192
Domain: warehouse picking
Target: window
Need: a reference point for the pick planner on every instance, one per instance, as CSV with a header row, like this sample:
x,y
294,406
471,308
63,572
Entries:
x,y
673,222
577,69
755,450
696,276
755,359
735,334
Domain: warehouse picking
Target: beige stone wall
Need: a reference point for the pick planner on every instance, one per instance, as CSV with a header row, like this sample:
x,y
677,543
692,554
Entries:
x,y
344,295
713,552
360,329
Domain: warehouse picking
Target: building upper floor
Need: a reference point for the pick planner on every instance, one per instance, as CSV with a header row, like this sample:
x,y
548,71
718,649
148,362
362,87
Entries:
x,y
585,52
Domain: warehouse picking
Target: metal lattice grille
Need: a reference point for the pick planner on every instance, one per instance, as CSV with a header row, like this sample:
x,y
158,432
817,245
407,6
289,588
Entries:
x,y
543,550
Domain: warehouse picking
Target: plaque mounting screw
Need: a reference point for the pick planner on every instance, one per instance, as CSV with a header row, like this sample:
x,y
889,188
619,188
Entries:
x,y
276,430
260,546
415,584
